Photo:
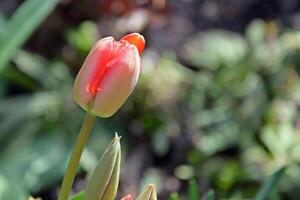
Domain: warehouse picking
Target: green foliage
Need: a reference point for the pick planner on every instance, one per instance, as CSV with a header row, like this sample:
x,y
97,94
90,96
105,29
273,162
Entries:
x,y
193,192
21,25
270,185
210,195
78,196
240,108
204,50
84,37
174,196
6,188
228,122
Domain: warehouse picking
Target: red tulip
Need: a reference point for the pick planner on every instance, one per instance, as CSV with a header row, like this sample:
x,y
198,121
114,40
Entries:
x,y
127,197
109,74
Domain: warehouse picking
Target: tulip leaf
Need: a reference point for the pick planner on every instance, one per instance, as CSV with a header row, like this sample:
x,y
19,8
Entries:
x,y
78,196
270,184
21,25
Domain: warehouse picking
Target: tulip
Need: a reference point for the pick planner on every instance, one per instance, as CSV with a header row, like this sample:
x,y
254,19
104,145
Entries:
x,y
149,193
127,197
109,74
104,179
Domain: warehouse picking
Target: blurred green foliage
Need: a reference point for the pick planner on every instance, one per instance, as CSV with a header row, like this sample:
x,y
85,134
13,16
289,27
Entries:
x,y
229,118
193,192
238,107
21,25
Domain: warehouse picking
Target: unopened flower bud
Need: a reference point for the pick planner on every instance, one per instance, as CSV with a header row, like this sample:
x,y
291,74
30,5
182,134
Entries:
x,y
127,197
149,193
109,74
104,179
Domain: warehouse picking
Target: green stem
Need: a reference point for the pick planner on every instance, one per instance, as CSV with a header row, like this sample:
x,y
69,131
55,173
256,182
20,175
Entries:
x,y
75,156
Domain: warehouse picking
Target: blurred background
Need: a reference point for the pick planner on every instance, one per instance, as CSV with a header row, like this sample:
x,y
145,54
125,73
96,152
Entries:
x,y
217,101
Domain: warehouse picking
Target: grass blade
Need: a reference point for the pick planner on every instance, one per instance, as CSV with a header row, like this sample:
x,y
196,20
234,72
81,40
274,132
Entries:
x,y
269,185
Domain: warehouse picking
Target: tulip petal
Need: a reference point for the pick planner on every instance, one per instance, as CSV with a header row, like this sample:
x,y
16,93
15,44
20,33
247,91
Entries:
x,y
109,74
137,40
118,83
127,197
85,82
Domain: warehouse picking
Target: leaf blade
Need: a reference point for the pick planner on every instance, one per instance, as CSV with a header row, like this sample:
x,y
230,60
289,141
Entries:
x,y
78,196
193,192
21,25
269,185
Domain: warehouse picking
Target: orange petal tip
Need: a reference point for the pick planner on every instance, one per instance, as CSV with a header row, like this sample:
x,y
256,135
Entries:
x,y
137,40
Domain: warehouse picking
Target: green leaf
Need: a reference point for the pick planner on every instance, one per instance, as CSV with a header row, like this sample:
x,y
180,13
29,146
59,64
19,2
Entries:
x,y
35,67
28,107
3,22
193,190
78,196
40,159
83,37
270,184
174,196
255,32
11,74
9,190
3,87
21,25
213,48
210,195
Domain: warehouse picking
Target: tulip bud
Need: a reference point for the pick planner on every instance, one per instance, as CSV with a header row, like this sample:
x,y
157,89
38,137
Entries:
x,y
127,197
149,193
109,74
104,179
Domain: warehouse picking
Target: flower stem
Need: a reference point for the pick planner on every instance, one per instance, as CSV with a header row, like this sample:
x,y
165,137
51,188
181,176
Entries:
x,y
75,156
